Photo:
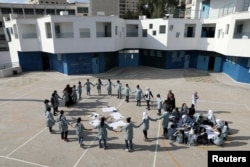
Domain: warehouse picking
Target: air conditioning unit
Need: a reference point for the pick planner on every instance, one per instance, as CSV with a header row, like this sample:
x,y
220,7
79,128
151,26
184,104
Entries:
x,y
64,13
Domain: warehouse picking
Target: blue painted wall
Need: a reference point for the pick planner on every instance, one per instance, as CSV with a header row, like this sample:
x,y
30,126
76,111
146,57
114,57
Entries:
x,y
56,62
174,60
231,69
30,61
77,63
128,59
193,58
244,75
239,71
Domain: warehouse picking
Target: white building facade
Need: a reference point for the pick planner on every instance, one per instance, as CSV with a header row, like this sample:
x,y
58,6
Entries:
x,y
83,45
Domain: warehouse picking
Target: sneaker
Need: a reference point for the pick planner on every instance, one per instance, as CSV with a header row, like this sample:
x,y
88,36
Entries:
x,y
126,150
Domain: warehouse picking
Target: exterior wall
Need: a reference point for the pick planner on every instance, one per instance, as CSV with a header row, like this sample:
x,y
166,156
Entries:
x,y
4,58
238,71
30,61
47,1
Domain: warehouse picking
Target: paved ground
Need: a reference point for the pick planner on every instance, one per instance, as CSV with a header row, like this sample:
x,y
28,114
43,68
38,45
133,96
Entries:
x,y
25,141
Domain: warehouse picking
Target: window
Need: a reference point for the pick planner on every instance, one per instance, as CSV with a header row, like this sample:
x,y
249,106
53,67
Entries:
x,y
85,33
2,37
171,27
29,11
227,29
50,11
40,12
18,10
154,32
144,33
177,34
116,30
162,29
71,12
1,24
150,26
6,10
82,10
239,28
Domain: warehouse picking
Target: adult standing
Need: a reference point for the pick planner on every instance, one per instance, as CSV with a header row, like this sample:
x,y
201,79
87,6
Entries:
x,y
63,126
55,103
148,95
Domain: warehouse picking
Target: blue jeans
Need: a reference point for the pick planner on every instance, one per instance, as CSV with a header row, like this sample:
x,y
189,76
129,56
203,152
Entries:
x,y
129,144
104,142
80,140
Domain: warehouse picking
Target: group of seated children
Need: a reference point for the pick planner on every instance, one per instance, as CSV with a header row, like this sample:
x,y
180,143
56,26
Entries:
x,y
196,130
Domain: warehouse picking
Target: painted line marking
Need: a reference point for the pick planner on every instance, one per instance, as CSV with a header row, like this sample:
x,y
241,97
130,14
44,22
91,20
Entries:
x,y
84,153
19,160
41,131
157,143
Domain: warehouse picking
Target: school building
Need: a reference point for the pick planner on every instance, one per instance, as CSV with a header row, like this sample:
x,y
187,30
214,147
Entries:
x,y
214,36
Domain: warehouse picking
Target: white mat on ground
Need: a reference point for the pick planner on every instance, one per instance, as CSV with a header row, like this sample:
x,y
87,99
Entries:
x,y
117,116
108,109
117,124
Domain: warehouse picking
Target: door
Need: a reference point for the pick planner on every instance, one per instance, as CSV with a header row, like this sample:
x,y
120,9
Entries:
x,y
202,63
45,61
217,64
95,65
186,62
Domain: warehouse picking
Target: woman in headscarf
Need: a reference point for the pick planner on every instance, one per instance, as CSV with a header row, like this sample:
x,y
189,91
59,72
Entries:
x,y
211,118
145,123
185,121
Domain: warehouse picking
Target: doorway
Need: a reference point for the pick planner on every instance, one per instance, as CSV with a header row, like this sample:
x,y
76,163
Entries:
x,y
45,61
211,63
